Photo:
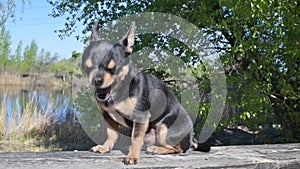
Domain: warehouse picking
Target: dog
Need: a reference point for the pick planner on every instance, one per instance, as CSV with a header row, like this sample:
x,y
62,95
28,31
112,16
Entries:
x,y
131,98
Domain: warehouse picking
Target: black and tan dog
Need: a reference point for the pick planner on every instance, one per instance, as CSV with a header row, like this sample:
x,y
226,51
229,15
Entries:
x,y
134,99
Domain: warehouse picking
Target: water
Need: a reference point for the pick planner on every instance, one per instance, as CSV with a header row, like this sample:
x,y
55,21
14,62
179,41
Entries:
x,y
41,102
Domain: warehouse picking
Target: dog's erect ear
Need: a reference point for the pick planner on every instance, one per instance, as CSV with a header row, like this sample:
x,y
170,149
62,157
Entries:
x,y
95,35
128,39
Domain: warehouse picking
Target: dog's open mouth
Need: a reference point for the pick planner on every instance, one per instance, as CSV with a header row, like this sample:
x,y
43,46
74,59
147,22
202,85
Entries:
x,y
103,94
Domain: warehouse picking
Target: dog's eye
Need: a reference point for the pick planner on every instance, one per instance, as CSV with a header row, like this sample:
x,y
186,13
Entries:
x,y
112,70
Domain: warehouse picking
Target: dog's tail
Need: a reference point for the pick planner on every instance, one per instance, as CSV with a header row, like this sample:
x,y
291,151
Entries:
x,y
197,146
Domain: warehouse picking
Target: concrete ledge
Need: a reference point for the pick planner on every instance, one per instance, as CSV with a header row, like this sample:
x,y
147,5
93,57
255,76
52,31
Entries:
x,y
252,156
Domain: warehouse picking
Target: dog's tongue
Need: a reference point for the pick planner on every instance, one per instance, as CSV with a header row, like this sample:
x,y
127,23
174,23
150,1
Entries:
x,y
103,93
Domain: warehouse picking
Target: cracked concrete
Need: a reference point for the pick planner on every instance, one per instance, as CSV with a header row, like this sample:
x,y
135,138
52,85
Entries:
x,y
251,156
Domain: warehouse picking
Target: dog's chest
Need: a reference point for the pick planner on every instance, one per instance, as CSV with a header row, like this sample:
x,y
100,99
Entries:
x,y
121,110
115,115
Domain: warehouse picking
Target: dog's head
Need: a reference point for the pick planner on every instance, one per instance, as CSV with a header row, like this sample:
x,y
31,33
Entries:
x,y
105,63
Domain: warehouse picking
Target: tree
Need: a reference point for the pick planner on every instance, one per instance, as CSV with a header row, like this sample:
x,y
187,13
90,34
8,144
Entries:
x,y
44,60
68,66
259,39
17,57
88,11
76,56
7,11
4,48
30,58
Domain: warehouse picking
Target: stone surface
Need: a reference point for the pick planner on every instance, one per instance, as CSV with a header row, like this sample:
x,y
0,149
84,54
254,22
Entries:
x,y
252,156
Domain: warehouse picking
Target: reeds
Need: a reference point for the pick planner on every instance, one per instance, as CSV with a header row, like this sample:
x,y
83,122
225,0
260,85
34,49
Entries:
x,y
3,117
27,123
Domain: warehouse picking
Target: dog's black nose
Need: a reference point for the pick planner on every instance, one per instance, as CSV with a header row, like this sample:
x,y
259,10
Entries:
x,y
98,81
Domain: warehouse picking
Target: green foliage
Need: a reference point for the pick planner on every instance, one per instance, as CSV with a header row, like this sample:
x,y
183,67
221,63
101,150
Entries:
x,y
16,58
68,66
63,66
88,11
4,47
7,11
32,60
29,61
259,39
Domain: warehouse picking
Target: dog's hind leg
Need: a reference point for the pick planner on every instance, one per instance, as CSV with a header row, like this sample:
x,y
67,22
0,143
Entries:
x,y
162,146
162,150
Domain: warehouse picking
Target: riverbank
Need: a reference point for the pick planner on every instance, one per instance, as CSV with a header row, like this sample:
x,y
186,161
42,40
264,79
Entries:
x,y
39,119
41,80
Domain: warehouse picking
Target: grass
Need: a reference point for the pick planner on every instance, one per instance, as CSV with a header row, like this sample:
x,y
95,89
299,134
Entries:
x,y
45,80
20,133
36,129
3,117
31,119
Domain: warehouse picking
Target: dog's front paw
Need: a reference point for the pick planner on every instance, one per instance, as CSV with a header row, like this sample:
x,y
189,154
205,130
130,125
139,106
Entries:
x,y
100,149
130,160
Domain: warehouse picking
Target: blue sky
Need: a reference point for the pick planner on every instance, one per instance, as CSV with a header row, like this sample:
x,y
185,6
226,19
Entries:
x,y
35,24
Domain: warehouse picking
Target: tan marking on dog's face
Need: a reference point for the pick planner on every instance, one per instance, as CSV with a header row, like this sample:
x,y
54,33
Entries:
x,y
123,72
107,80
108,77
127,106
91,75
88,63
111,64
